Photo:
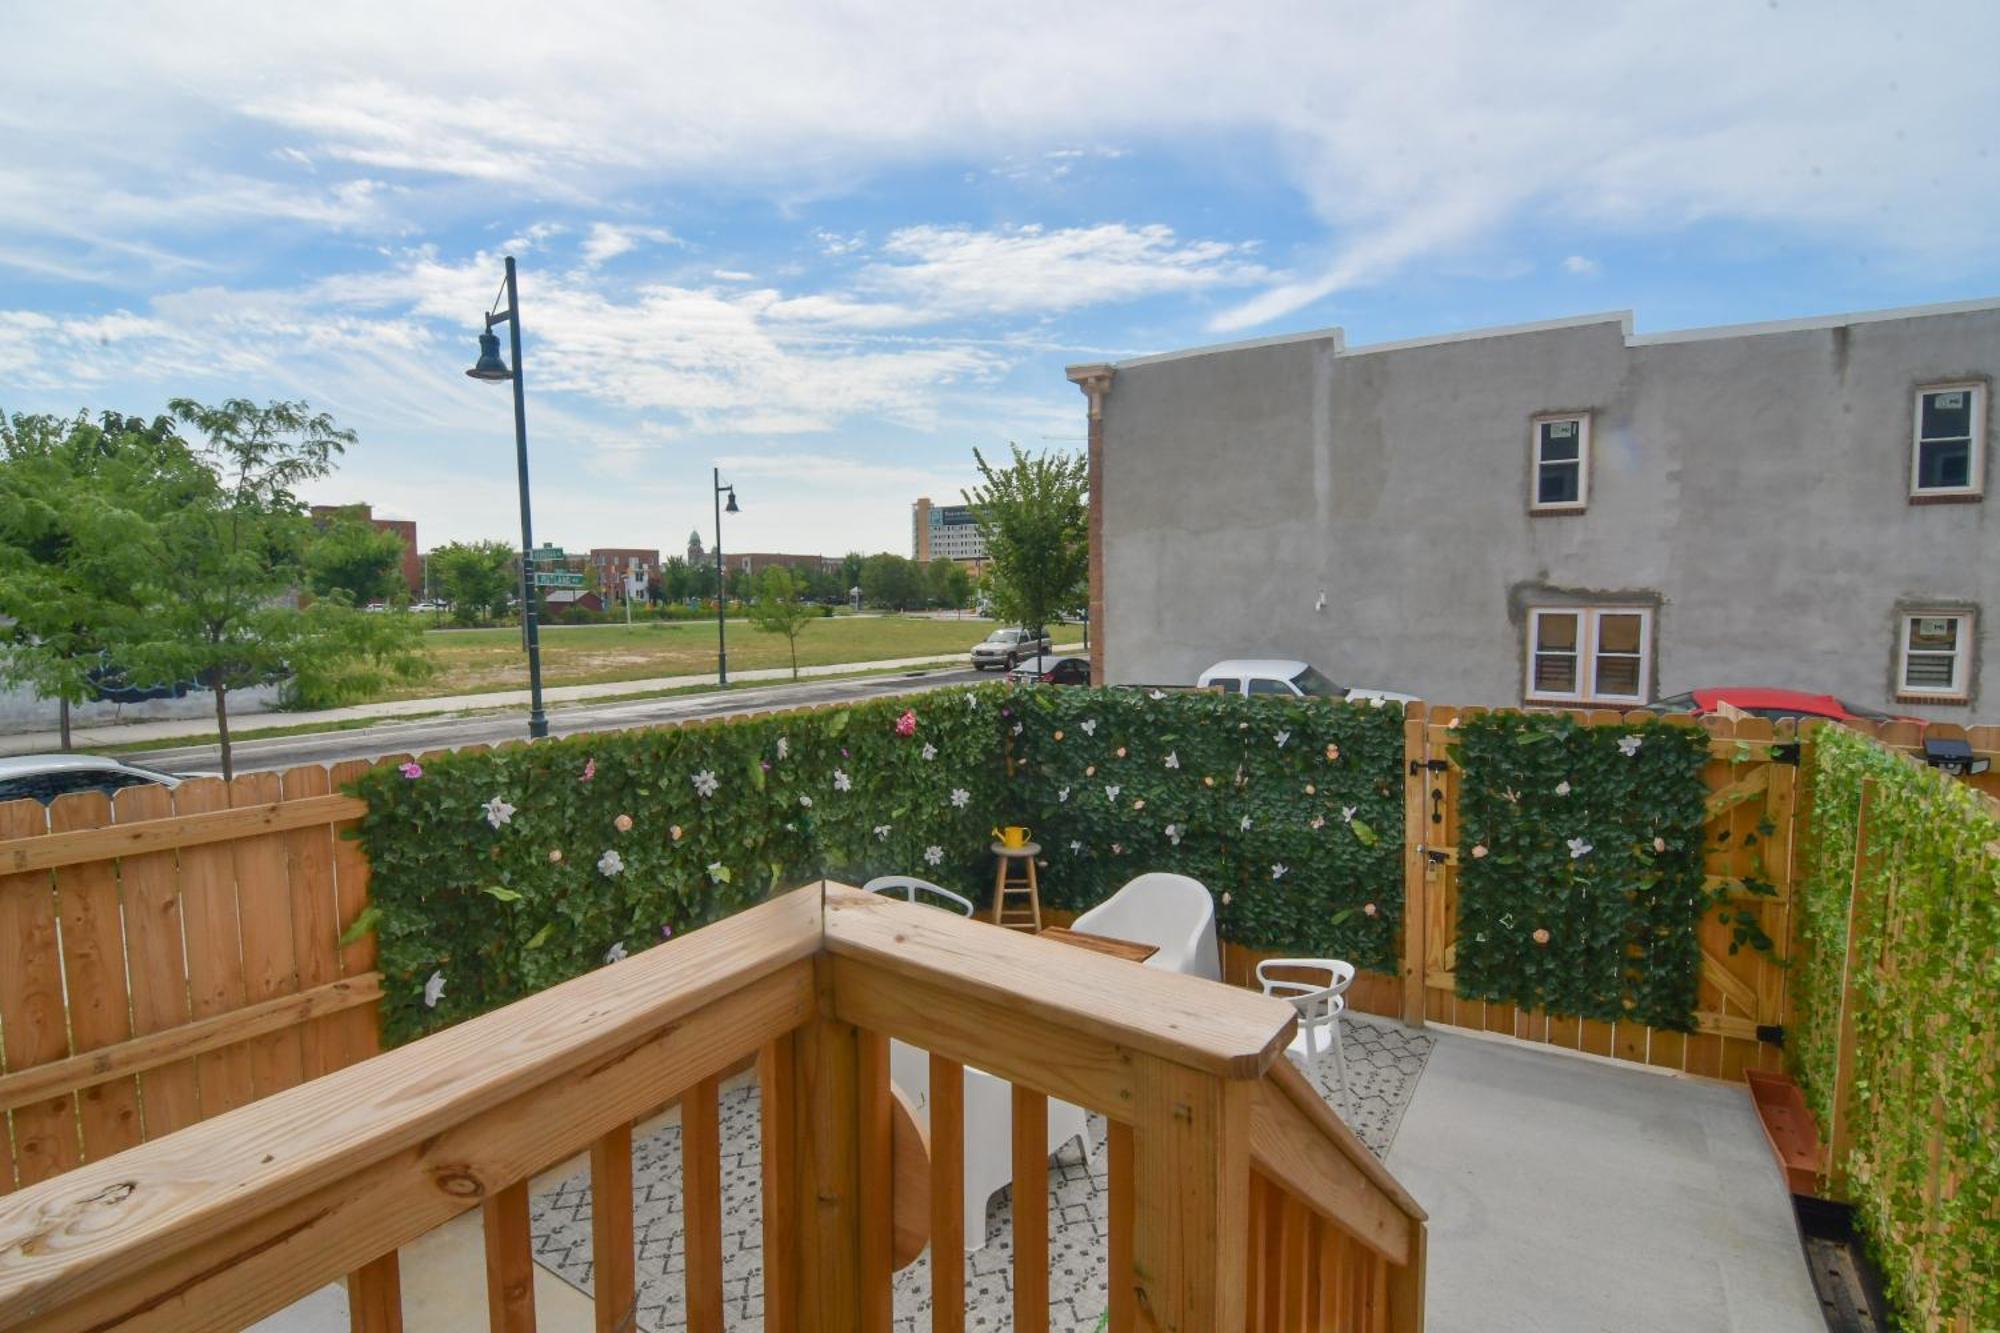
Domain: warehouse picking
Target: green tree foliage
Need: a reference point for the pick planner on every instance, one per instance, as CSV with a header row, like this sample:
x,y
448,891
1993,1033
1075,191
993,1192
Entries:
x,y
676,581
1034,514
892,582
475,579
947,583
348,556
780,610
78,499
231,562
741,586
850,572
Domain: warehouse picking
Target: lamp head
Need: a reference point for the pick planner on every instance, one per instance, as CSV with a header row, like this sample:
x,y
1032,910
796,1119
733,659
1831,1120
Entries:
x,y
490,366
731,508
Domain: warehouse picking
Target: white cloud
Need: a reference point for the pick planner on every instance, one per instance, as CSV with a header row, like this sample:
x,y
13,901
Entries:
x,y
608,241
1582,266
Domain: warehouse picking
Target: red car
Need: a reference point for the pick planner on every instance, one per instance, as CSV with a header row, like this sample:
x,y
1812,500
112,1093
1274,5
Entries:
x,y
1763,701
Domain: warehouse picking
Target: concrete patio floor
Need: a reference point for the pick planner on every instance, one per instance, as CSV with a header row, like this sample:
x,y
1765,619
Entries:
x,y
1571,1194
1566,1195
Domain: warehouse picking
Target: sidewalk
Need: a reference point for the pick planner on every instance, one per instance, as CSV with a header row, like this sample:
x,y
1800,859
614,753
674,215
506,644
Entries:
x,y
130,733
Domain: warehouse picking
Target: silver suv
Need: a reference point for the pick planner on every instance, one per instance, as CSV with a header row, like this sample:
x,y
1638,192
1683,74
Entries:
x,y
1004,647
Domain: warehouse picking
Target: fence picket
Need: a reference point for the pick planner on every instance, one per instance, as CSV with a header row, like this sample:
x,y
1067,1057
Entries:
x,y
157,962
93,947
31,1005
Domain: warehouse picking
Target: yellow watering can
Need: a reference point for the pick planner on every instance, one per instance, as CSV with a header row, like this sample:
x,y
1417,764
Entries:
x,y
1012,836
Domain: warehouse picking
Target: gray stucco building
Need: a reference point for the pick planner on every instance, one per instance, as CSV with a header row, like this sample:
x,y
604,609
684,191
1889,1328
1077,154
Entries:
x,y
1565,512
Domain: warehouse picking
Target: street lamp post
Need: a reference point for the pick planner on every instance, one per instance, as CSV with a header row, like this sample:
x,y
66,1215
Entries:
x,y
492,368
721,636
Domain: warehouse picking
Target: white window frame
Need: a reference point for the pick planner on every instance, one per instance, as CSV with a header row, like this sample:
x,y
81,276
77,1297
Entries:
x,y
1535,503
1976,472
1588,647
1960,689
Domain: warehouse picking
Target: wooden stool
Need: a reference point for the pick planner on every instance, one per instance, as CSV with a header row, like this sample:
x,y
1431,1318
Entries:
x,y
1007,883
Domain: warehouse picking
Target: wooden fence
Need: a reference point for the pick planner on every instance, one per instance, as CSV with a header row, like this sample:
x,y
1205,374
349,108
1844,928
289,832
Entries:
x,y
169,956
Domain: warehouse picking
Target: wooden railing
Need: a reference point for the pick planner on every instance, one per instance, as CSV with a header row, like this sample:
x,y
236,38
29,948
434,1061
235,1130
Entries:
x,y
1237,1200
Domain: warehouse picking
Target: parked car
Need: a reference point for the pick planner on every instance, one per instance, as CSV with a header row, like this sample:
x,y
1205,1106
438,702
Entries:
x,y
1004,648
1047,670
1764,701
43,777
1298,680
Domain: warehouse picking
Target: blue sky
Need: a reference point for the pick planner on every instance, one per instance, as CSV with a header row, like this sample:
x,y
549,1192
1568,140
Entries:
x,y
834,248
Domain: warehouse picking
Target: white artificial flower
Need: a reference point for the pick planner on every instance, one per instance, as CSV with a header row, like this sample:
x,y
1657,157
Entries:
x,y
806,802
933,854
1282,737
610,863
1245,824
434,990
1088,726
784,747
1629,745
1111,793
1062,794
971,700
1278,871
1076,846
705,784
882,832
616,953
498,812
960,797
930,751
1118,849
841,782
1174,834
1017,728
1347,812
1225,900
1562,788
1173,759
1578,848
1156,695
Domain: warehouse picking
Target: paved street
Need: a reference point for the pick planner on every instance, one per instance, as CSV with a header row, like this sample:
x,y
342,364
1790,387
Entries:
x,y
489,728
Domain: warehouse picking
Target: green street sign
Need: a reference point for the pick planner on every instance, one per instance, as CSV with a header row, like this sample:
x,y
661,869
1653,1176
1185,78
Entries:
x,y
544,554
558,578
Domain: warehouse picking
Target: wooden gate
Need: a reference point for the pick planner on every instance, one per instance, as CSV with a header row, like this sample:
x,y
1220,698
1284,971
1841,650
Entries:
x,y
165,957
1752,777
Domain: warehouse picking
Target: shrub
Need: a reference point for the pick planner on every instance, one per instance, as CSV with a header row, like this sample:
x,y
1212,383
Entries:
x,y
1580,866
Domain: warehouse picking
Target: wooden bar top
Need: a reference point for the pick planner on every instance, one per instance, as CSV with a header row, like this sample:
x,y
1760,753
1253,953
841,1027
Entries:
x,y
1117,948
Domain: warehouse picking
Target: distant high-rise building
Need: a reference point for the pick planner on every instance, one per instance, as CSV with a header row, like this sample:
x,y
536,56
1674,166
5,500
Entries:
x,y
945,530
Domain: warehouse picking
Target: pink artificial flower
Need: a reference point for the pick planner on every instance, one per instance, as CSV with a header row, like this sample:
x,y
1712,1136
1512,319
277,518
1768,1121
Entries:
x,y
623,823
906,725
589,769
555,856
1368,909
1541,937
412,770
675,832
666,931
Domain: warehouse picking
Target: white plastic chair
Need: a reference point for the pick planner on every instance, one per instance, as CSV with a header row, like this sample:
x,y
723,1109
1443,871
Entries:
x,y
1320,1003
1171,912
911,889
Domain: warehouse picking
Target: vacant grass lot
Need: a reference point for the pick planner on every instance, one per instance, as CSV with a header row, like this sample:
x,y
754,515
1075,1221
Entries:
x,y
471,660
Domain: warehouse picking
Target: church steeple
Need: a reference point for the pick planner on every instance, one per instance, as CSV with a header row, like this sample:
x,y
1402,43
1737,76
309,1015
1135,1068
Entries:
x,y
695,553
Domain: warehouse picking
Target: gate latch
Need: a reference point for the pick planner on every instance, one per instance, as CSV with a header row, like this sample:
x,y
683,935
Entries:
x,y
1429,765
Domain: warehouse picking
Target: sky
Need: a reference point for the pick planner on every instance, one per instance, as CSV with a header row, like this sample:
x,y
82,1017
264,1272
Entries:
x,y
833,248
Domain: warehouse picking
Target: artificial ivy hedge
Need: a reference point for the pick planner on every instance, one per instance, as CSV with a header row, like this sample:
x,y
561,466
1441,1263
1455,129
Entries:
x,y
1289,811
498,873
1580,866
1926,1062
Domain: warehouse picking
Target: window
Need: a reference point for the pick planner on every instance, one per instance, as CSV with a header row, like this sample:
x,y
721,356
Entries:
x,y
1589,654
1945,456
1264,685
1934,655
1561,464
1226,685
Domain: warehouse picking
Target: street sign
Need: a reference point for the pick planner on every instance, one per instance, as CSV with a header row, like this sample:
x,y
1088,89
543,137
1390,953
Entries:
x,y
545,554
558,578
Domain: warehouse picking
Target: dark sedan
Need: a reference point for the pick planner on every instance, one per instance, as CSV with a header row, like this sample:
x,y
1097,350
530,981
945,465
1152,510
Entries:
x,y
1049,670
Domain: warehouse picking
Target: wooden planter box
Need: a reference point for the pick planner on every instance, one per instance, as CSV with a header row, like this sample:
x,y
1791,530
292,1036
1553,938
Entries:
x,y
1781,1108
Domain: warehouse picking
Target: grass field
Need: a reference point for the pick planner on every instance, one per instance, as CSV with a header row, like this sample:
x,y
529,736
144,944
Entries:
x,y
472,660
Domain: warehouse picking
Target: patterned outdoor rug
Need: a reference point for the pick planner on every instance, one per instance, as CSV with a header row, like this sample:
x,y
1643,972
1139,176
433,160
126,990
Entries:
x,y
1384,1062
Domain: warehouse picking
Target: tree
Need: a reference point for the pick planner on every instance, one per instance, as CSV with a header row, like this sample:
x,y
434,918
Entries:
x,y
348,554
475,579
778,609
891,581
850,572
1034,514
230,563
741,586
947,583
676,581
77,498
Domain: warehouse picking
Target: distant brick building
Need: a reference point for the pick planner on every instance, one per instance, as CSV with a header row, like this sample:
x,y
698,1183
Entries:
x,y
756,562
610,566
404,528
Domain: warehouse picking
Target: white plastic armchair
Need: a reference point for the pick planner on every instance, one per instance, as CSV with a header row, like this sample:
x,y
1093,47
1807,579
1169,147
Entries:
x,y
1172,912
1320,996
911,889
